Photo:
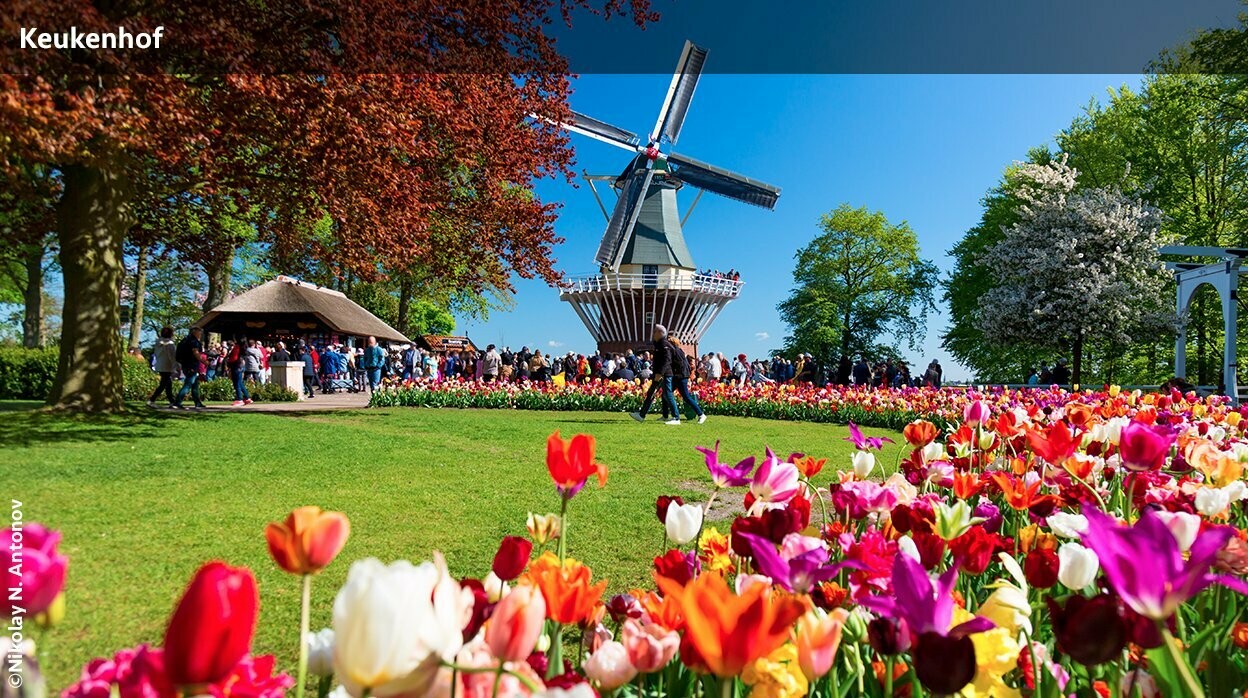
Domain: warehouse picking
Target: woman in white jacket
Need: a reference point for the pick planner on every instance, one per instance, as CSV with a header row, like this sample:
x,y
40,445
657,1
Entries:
x,y
164,361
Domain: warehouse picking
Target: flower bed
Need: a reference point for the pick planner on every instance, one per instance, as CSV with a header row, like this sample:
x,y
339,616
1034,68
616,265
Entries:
x,y
885,409
1076,548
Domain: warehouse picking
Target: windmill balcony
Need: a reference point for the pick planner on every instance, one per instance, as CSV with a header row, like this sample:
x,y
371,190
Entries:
x,y
713,286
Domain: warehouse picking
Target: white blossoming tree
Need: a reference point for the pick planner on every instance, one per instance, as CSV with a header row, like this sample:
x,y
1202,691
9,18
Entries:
x,y
1079,263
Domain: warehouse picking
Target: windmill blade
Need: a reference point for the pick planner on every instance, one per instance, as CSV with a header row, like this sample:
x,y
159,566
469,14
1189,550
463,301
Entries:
x,y
624,219
599,130
723,182
680,94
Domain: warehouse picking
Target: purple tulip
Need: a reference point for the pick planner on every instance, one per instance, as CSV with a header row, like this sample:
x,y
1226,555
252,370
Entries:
x,y
725,475
863,443
1143,447
799,574
1145,566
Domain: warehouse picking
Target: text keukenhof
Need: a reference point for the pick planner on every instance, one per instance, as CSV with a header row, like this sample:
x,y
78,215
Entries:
x,y
74,39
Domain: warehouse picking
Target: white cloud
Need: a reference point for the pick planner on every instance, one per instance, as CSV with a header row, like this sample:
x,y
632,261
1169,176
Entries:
x,y
553,343
761,336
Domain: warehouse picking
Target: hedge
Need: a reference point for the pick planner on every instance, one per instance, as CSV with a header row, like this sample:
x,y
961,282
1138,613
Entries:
x,y
27,374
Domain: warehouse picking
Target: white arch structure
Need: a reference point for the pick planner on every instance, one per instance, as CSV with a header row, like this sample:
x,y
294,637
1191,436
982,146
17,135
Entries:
x,y
1223,276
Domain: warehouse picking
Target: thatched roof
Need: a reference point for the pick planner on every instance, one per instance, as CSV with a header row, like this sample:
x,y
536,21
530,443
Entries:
x,y
436,342
291,306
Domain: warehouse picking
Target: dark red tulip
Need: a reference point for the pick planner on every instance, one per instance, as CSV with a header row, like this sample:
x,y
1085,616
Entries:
x,y
944,664
512,557
931,548
1040,568
481,607
1091,631
212,627
621,607
675,566
662,503
801,506
887,636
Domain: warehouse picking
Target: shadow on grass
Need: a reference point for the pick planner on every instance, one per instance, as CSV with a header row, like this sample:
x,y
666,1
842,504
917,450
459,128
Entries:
x,y
25,424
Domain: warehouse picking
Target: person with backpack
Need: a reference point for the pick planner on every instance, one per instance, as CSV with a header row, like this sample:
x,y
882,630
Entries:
x,y
188,354
236,363
165,362
664,373
681,370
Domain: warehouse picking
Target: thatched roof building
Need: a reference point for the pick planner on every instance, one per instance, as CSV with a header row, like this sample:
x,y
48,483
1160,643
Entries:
x,y
286,307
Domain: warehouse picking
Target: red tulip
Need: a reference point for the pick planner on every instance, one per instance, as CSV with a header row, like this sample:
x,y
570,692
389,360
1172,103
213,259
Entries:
x,y
1143,447
212,627
308,540
1040,568
512,557
571,462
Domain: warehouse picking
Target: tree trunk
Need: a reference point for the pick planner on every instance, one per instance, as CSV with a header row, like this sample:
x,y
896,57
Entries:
x,y
219,272
92,219
405,303
32,317
140,289
1076,371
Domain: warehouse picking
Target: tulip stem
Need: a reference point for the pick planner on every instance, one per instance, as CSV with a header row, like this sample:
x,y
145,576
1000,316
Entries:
x,y
1185,672
304,611
888,676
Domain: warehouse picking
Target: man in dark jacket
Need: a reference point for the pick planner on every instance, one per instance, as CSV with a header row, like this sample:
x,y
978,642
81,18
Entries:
x,y
680,380
662,378
188,354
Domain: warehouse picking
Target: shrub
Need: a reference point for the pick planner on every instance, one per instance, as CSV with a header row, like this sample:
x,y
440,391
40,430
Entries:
x,y
26,374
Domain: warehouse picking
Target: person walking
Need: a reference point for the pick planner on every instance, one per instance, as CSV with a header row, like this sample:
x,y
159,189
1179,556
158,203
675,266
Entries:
x,y
235,361
165,362
680,381
309,368
662,376
374,359
253,361
189,353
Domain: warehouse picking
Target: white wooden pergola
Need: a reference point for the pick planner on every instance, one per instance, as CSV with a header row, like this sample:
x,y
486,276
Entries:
x,y
1223,275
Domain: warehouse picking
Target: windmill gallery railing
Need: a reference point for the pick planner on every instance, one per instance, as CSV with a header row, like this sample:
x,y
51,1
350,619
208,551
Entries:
x,y
700,283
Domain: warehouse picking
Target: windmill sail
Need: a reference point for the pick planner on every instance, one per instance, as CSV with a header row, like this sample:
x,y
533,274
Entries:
x,y
597,129
680,94
723,182
624,219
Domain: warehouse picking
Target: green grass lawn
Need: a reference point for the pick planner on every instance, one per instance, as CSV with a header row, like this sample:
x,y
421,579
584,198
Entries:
x,y
144,498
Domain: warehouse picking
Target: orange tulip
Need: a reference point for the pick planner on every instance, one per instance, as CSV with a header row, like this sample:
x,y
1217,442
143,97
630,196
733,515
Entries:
x,y
308,540
571,462
810,466
966,485
920,433
727,631
569,596
817,638
661,610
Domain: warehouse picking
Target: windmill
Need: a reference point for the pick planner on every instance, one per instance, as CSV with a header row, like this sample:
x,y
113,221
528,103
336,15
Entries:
x,y
647,275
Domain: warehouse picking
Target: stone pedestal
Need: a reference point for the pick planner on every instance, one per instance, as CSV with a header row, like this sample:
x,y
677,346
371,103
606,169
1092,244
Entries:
x,y
289,375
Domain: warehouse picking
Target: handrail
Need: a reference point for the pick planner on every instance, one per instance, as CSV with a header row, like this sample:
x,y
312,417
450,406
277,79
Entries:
x,y
691,282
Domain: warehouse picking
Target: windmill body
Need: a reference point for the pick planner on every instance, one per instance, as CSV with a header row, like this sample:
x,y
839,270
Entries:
x,y
647,274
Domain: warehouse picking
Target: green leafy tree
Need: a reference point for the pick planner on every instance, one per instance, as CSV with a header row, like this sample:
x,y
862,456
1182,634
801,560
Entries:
x,y
860,286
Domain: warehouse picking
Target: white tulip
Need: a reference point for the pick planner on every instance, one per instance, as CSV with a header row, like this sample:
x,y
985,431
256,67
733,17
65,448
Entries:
x,y
933,451
1212,501
864,463
683,522
745,582
394,624
321,652
1183,525
906,545
1077,566
1067,525
495,588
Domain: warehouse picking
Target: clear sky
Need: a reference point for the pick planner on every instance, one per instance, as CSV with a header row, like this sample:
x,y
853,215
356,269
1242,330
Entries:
x,y
923,149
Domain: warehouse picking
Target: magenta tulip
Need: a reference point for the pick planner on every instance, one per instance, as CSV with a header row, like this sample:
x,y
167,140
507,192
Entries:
x,y
43,566
1143,447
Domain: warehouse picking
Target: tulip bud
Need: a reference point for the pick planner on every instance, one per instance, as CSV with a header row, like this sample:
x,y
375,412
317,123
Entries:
x,y
975,413
609,666
661,505
512,557
1091,631
516,623
933,451
543,529
212,626
1040,568
864,463
1077,566
321,652
622,607
817,638
887,636
683,522
308,540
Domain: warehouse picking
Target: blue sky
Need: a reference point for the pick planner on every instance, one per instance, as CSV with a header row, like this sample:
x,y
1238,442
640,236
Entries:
x,y
923,149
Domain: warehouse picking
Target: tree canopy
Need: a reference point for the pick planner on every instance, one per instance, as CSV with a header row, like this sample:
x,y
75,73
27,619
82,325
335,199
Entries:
x,y
859,286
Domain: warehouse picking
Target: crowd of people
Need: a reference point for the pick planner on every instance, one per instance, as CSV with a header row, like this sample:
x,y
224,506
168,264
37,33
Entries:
x,y
730,275
334,367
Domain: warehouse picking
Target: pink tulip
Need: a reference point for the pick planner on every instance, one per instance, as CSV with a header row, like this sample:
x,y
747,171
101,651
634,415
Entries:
x,y
650,647
818,637
516,624
775,482
1144,447
43,566
975,413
